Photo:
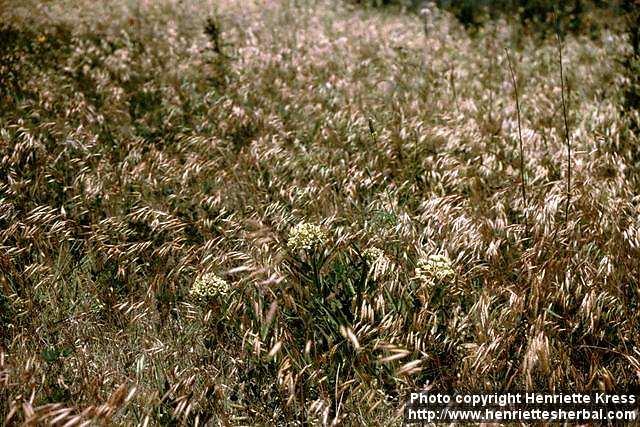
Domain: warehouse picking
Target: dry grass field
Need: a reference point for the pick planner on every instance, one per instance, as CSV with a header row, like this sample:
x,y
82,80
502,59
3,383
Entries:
x,y
296,211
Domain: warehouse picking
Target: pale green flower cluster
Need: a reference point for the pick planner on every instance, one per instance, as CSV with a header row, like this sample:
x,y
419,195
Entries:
x,y
434,267
306,236
372,255
209,285
377,262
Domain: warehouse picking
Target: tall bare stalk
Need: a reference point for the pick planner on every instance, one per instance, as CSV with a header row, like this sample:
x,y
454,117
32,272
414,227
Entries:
x,y
566,129
522,178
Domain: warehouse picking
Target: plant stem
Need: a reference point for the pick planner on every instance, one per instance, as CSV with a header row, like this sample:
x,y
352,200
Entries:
x,y
522,178
566,130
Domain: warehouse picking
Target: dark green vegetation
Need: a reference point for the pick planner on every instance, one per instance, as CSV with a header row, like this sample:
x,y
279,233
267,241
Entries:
x,y
144,144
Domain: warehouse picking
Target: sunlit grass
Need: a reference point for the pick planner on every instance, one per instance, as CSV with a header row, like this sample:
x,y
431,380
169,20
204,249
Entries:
x,y
308,221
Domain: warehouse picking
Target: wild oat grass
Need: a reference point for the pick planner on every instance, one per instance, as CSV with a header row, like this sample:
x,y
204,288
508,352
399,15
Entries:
x,y
145,144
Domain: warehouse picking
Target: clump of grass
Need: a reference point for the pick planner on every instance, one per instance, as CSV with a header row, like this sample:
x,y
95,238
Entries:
x,y
135,159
